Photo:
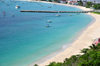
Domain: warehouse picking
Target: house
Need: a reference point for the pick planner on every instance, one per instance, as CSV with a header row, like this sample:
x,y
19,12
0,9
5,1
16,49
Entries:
x,y
73,2
94,1
63,1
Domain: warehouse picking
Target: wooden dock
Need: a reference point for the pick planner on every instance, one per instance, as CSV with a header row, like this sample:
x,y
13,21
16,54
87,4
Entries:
x,y
55,11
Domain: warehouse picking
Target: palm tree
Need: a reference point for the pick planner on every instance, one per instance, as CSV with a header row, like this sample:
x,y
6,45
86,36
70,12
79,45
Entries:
x,y
78,55
94,47
65,59
84,50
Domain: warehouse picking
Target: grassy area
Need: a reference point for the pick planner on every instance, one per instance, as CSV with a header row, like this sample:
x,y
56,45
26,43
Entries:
x,y
96,12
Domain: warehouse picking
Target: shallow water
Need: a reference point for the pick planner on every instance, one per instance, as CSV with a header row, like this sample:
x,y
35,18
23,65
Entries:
x,y
25,37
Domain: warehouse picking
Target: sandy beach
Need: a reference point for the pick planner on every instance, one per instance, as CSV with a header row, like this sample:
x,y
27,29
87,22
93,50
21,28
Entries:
x,y
83,41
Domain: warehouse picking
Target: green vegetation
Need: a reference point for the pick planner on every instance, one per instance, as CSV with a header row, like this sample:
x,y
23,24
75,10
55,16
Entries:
x,y
35,65
90,57
80,3
89,4
96,6
55,0
96,12
50,0
43,0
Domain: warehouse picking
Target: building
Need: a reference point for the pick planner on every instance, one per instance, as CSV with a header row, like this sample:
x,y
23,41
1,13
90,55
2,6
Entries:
x,y
94,1
73,2
63,1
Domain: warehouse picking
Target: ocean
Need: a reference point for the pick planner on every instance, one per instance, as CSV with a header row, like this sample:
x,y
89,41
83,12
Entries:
x,y
28,37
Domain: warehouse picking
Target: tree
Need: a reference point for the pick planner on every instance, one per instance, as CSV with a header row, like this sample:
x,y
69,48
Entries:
x,y
43,0
93,47
91,57
65,59
84,50
96,6
35,65
55,64
50,0
55,0
89,4
80,3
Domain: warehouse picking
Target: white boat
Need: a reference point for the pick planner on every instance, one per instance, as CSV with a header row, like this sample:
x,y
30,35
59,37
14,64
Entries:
x,y
58,15
49,21
17,7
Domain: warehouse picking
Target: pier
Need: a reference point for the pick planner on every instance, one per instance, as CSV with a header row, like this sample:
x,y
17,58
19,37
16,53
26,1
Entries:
x,y
55,11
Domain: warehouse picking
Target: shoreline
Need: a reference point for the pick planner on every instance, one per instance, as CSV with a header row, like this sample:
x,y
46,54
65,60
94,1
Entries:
x,y
51,55
84,40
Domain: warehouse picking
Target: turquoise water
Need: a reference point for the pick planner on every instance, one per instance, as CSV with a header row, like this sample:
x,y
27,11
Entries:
x,y
24,37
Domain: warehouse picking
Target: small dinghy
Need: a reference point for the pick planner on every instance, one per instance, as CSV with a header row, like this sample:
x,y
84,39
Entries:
x,y
17,7
58,15
49,21
48,26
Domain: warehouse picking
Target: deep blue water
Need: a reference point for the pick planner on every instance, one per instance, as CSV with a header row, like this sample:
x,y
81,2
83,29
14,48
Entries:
x,y
24,37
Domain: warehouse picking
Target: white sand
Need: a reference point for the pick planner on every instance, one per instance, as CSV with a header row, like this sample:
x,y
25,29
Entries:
x,y
83,41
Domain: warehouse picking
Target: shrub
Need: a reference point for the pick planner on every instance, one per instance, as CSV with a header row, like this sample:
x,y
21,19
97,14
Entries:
x,y
55,64
96,6
80,3
35,65
89,4
50,0
91,57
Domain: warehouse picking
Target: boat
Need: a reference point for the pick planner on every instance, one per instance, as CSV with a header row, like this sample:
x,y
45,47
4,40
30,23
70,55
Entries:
x,y
49,21
58,15
48,26
17,7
